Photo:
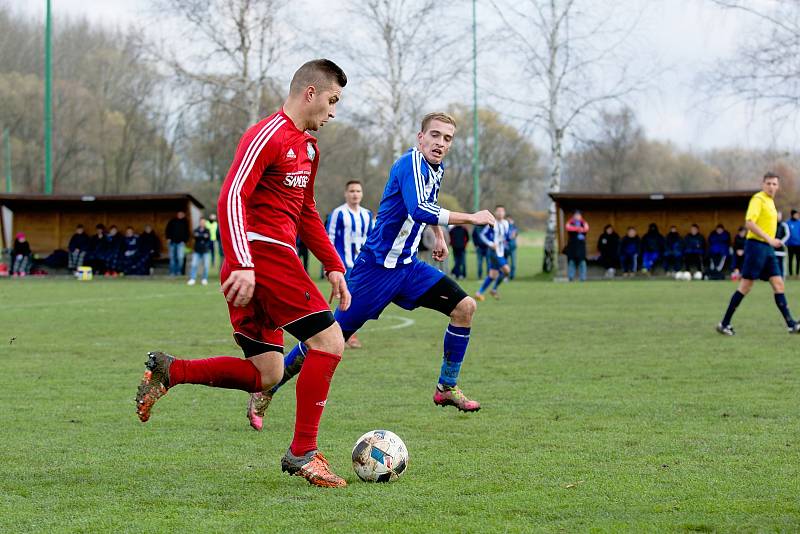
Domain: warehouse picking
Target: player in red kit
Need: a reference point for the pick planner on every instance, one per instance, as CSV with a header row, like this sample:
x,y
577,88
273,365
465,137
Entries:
x,y
267,200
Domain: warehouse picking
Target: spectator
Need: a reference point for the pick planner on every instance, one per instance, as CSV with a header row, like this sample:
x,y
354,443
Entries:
x,y
652,248
673,251
694,250
719,248
213,230
481,251
577,228
511,252
98,247
78,246
133,260
20,256
782,234
459,238
629,252
608,247
202,252
114,251
793,244
177,233
150,245
738,253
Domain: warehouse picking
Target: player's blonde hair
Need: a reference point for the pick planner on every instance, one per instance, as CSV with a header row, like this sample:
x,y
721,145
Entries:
x,y
437,116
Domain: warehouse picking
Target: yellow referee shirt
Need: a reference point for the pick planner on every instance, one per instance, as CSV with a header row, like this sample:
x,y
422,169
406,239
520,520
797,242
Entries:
x,y
762,211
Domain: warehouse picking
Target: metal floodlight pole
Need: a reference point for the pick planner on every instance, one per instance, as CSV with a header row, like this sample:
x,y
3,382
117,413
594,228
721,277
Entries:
x,y
48,101
7,157
476,190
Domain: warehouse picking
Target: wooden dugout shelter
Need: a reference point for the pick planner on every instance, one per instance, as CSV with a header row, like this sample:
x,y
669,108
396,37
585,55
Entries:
x,y
706,209
49,221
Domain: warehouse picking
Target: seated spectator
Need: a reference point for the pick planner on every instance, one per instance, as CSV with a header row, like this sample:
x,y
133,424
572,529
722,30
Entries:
x,y
719,248
673,251
694,250
133,260
113,251
652,248
629,252
21,256
608,246
150,246
78,246
97,252
738,253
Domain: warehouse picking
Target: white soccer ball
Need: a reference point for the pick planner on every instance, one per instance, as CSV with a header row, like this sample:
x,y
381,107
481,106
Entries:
x,y
678,275
380,456
698,275
686,276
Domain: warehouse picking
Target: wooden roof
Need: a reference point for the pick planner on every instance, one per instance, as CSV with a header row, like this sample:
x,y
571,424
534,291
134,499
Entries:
x,y
656,200
18,200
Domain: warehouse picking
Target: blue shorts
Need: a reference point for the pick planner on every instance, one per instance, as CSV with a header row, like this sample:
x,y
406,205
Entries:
x,y
373,287
760,262
496,262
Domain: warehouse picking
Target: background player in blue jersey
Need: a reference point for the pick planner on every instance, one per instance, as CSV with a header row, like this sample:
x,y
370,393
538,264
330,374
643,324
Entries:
x,y
387,270
348,227
495,237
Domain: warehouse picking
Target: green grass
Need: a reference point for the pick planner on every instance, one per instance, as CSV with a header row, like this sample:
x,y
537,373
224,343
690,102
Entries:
x,y
607,406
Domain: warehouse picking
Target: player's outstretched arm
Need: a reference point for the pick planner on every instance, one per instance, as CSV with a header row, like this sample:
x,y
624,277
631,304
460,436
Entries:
x,y
479,218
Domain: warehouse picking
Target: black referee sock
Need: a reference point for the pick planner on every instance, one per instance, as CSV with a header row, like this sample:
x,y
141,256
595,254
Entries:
x,y
783,306
736,299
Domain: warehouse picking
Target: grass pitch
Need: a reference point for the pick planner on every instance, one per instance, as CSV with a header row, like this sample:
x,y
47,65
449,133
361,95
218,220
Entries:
x,y
608,406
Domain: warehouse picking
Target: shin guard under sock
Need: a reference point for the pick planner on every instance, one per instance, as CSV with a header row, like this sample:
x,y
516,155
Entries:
x,y
783,306
736,299
312,394
456,339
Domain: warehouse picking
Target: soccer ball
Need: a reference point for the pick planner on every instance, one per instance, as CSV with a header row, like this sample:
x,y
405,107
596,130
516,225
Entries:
x,y
698,275
380,456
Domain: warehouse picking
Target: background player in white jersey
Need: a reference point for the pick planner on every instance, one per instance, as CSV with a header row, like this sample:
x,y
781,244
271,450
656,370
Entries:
x,y
387,270
348,227
496,240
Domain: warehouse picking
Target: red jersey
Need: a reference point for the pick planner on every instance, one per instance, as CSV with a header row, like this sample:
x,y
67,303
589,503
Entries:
x,y
268,194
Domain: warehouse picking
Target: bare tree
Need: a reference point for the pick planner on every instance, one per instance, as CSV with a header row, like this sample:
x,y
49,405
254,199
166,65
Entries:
x,y
765,68
569,48
405,58
237,44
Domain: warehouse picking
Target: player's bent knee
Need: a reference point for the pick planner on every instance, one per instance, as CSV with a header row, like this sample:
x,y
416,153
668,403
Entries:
x,y
465,310
270,365
329,340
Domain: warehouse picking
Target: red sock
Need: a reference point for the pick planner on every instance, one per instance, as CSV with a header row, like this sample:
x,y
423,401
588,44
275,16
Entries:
x,y
312,393
220,372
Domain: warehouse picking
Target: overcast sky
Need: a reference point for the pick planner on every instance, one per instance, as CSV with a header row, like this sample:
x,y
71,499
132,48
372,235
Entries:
x,y
685,36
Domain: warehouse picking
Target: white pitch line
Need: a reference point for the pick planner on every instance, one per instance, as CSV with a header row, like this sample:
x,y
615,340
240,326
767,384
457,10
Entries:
x,y
107,299
405,322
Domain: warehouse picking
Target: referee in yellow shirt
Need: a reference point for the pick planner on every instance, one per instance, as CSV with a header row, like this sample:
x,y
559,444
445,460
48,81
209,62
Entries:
x,y
760,262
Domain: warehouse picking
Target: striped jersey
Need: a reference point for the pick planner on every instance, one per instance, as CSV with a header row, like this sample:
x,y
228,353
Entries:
x,y
496,235
409,203
347,230
268,194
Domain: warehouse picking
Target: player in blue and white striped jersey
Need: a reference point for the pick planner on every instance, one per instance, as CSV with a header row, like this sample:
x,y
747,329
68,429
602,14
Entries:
x,y
387,270
349,224
496,240
348,227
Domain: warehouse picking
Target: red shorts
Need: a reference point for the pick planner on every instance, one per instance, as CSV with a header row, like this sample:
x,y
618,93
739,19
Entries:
x,y
283,294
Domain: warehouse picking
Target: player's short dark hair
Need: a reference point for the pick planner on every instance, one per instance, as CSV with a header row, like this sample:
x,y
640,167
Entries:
x,y
695,225
321,73
437,116
499,206
769,174
351,182
78,226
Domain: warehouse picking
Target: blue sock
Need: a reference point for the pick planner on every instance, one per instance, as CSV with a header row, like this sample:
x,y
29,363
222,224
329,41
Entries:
x,y
736,299
292,363
499,280
456,339
485,285
783,306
